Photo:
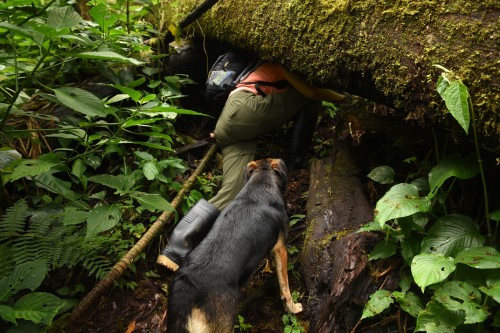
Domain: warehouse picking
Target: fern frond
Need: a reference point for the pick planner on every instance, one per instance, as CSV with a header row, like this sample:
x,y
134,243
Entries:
x,y
14,220
8,263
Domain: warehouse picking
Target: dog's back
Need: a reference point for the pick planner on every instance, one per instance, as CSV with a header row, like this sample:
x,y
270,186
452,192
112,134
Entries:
x,y
204,293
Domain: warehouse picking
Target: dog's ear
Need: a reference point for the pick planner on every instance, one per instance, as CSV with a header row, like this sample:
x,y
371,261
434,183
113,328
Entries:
x,y
249,169
279,167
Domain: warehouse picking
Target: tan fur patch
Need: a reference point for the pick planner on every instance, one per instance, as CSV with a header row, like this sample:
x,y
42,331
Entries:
x,y
197,322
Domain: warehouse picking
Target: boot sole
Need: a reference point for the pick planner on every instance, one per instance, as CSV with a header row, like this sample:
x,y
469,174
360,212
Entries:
x,y
166,262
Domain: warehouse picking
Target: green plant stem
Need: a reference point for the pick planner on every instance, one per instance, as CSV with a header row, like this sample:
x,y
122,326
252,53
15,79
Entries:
x,y
29,79
490,236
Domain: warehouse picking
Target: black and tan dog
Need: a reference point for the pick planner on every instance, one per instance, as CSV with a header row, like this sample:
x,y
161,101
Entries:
x,y
204,293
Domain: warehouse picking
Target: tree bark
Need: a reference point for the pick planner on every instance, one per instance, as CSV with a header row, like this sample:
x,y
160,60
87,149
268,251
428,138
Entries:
x,y
380,50
333,258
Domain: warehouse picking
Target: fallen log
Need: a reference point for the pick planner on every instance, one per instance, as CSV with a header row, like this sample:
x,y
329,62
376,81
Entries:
x,y
334,260
381,50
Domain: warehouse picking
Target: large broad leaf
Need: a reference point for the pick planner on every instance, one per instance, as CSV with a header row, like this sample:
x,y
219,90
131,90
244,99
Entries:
x,y
121,183
409,302
436,318
451,166
81,101
384,249
102,218
38,307
484,257
459,295
382,174
7,156
400,201
62,17
31,168
451,234
28,275
102,16
108,56
150,170
152,202
428,269
455,95
379,301
74,216
492,289
56,185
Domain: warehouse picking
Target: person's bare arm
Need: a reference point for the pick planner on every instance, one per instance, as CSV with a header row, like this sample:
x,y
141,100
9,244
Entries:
x,y
313,92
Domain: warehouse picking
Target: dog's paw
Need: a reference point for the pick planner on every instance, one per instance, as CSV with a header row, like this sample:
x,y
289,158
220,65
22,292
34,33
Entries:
x,y
294,308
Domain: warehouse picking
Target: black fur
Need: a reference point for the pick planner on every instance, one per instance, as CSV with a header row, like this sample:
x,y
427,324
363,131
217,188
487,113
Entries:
x,y
242,236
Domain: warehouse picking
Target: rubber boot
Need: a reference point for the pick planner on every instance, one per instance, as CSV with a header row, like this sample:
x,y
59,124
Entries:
x,y
188,233
299,138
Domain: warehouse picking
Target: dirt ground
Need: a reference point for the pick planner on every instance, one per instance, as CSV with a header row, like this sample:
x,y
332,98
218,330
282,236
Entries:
x,y
144,308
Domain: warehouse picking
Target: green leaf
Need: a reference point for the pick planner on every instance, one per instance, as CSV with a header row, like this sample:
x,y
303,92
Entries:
x,y
382,174
372,226
78,168
150,170
31,168
455,96
451,166
400,201
139,122
108,56
459,295
103,16
436,318
28,275
143,155
384,249
152,202
56,185
121,183
7,156
38,307
379,301
409,302
102,218
171,109
74,216
7,313
451,234
62,17
134,94
492,289
484,257
81,101
428,269
495,216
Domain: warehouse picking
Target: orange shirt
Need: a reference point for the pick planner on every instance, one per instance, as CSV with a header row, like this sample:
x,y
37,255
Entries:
x,y
267,72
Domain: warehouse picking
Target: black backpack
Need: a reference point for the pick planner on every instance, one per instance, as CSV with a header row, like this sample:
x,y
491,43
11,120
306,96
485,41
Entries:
x,y
228,70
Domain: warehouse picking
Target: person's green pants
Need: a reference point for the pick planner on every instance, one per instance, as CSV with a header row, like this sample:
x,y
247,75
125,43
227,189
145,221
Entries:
x,y
244,118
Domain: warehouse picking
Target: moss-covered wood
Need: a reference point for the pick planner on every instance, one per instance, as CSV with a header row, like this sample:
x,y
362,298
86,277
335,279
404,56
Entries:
x,y
379,49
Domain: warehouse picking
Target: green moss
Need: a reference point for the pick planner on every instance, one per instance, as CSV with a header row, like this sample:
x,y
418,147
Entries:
x,y
395,45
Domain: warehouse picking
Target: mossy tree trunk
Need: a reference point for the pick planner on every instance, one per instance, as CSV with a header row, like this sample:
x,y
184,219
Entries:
x,y
381,50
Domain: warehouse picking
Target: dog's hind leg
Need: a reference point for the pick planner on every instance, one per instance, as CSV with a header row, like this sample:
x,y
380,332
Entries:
x,y
281,261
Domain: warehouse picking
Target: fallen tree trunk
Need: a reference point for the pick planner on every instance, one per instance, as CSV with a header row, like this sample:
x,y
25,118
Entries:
x,y
380,50
334,256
